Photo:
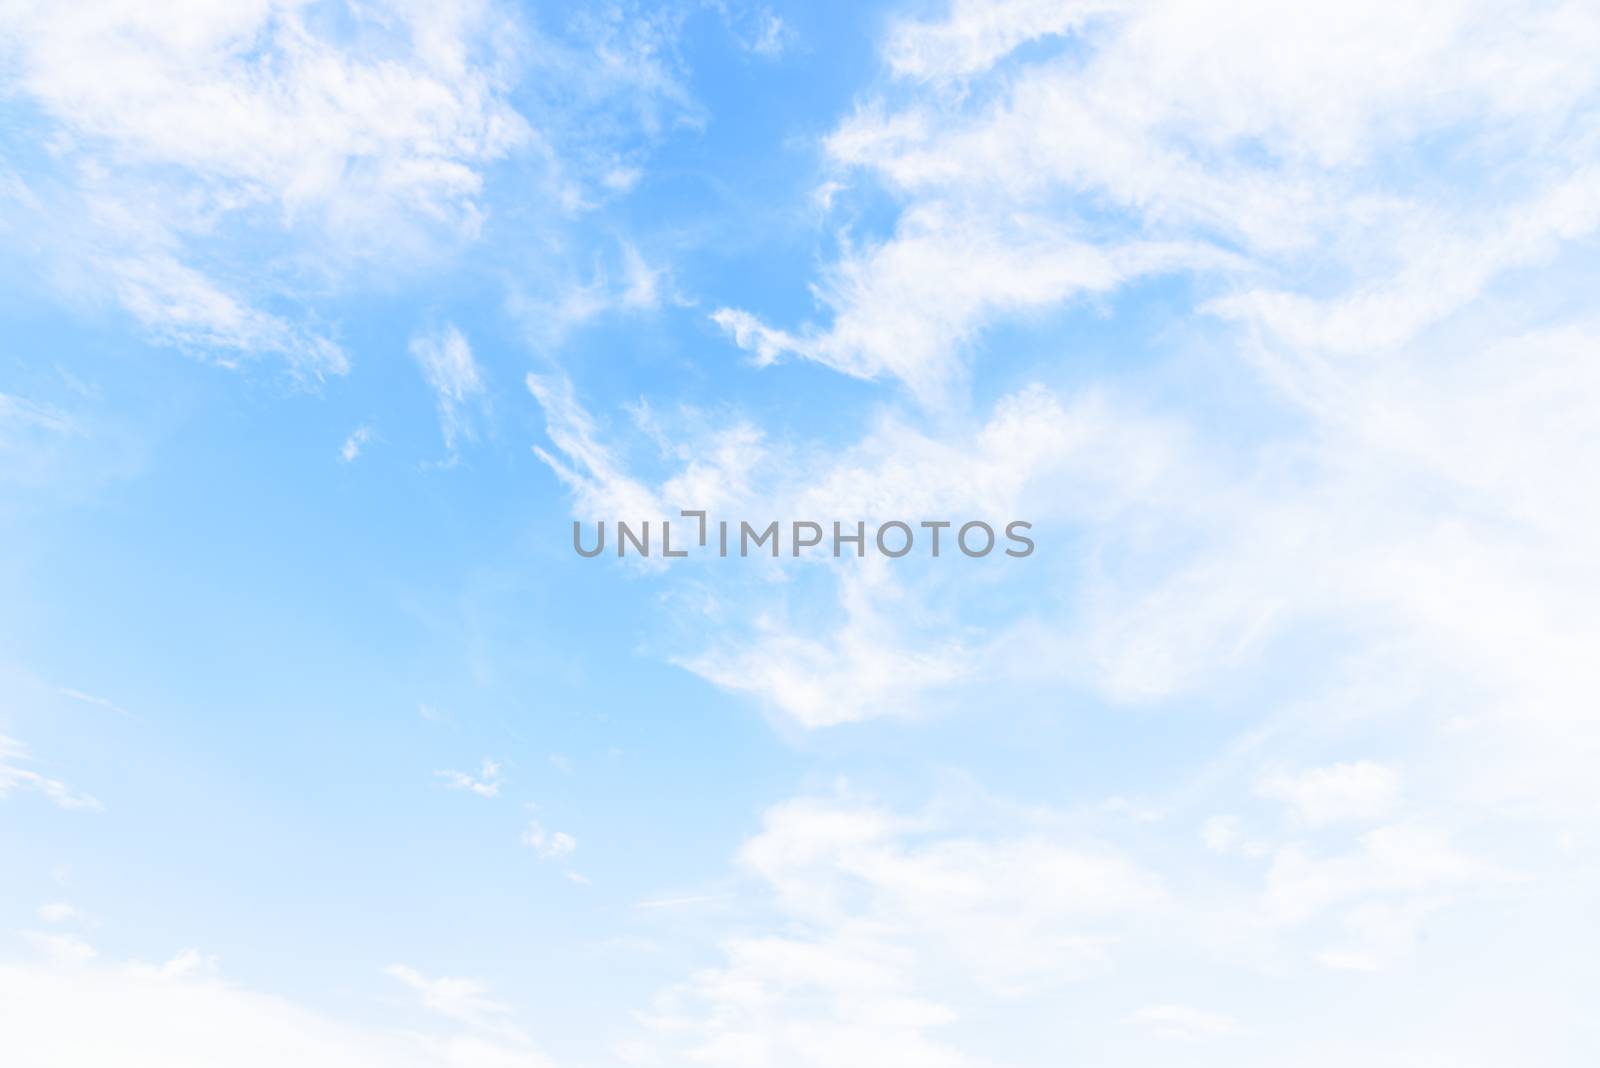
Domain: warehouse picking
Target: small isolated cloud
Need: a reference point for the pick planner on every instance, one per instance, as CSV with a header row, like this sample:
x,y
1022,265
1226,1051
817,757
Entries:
x,y
352,444
447,364
485,784
549,845
1181,1023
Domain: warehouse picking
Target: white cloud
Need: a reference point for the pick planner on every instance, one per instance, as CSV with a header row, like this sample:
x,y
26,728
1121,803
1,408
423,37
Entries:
x,y
182,1015
617,281
168,128
976,33
1401,859
59,949
453,375
91,699
889,928
57,912
593,472
354,443
463,1000
1412,516
1223,835
254,94
1168,137
860,668
1358,490
861,653
983,933
907,307
485,784
549,845
1412,322
14,776
1360,790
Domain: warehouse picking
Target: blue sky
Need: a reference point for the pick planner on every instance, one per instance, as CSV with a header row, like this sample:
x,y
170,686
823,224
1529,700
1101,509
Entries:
x,y
325,322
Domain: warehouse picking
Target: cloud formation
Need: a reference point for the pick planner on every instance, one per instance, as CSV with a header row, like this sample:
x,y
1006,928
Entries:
x,y
176,132
182,1014
451,372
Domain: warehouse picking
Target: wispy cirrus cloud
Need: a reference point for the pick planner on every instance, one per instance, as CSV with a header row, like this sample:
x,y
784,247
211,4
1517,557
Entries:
x,y
453,374
15,775
885,927
224,173
171,136
1126,152
91,699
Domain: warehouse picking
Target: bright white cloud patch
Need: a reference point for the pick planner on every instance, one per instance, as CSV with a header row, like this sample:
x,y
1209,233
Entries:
x,y
907,307
976,33
173,127
1160,138
260,95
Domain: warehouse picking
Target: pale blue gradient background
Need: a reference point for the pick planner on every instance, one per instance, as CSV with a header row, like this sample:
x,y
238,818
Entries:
x,y
295,645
